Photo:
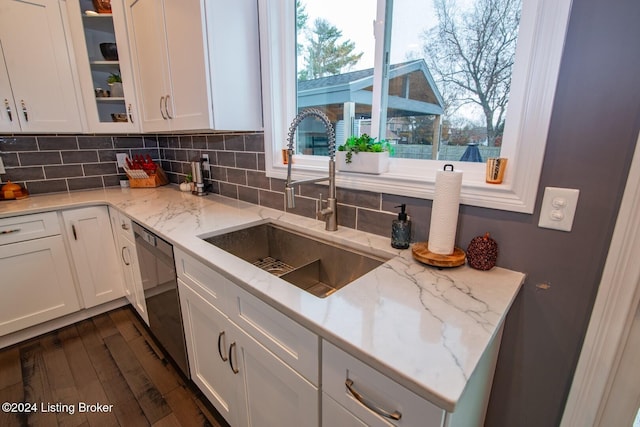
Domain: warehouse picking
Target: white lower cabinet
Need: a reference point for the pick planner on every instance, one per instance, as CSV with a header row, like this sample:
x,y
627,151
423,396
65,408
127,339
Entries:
x,y
94,254
207,334
355,390
132,280
37,282
246,382
335,415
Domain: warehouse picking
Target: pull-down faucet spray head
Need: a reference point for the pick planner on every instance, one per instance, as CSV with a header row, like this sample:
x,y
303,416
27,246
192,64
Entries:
x,y
329,214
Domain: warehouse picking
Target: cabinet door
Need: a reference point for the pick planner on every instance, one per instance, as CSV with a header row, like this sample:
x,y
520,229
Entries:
x,y
188,104
101,100
124,255
132,278
39,65
274,394
37,283
208,337
94,254
335,415
9,121
147,39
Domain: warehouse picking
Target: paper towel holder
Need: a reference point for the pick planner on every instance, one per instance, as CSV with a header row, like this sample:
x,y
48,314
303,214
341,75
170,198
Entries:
x,y
421,253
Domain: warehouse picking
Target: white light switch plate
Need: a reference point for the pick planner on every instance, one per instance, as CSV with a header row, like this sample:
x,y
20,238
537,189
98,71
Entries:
x,y
558,208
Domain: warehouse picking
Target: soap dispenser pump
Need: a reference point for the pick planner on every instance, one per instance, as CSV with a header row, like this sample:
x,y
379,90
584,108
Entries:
x,y
401,229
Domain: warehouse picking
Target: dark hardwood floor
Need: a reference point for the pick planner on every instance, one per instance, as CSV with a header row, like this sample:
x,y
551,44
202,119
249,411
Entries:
x,y
109,360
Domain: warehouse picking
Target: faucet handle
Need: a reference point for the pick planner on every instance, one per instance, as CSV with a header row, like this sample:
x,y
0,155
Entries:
x,y
319,206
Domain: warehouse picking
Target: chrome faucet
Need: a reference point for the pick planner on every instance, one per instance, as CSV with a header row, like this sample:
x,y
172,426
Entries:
x,y
329,213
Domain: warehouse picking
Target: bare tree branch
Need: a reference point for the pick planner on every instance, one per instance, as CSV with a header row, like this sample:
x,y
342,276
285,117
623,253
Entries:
x,y
471,54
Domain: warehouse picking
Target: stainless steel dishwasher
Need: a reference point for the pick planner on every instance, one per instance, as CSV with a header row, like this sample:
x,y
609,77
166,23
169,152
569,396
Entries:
x,y
160,284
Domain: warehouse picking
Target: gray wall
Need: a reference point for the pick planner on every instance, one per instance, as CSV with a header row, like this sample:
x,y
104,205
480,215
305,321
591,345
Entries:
x,y
595,123
594,127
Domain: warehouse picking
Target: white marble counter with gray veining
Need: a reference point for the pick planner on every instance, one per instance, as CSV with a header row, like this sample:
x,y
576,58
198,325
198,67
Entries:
x,y
424,327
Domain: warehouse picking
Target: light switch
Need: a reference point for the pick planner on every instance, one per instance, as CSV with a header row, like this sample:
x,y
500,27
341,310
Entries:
x,y
558,208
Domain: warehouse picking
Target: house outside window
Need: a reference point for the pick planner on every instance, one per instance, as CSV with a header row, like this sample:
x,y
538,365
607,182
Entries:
x,y
417,98
336,74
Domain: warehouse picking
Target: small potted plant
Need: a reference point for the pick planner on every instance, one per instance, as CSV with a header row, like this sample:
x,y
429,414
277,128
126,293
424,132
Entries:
x,y
363,154
115,83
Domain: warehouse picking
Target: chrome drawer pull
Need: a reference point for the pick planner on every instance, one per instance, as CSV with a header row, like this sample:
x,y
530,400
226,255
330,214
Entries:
x,y
8,108
24,110
164,117
15,230
224,358
395,415
122,254
232,348
166,107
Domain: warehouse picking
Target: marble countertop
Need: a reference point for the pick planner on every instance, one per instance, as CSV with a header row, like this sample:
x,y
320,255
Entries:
x,y
424,327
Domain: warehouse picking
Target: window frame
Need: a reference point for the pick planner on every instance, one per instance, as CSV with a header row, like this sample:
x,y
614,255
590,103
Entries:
x,y
541,40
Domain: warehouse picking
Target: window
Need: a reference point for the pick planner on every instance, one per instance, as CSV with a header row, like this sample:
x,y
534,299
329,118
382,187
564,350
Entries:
x,y
410,114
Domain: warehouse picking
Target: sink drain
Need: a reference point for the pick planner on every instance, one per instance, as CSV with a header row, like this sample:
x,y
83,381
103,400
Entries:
x,y
273,266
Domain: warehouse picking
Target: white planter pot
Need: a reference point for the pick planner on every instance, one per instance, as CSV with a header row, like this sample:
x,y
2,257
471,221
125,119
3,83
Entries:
x,y
374,163
116,90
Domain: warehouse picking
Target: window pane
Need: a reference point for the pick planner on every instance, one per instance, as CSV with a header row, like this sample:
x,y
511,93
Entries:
x,y
449,78
335,54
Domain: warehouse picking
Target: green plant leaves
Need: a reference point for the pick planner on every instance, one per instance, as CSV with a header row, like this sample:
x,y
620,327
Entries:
x,y
363,143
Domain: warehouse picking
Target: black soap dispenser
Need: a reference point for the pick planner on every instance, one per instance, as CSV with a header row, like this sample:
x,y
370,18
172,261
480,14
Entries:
x,y
401,229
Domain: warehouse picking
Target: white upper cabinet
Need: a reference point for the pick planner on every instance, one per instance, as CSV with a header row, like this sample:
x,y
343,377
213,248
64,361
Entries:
x,y
109,106
37,84
197,64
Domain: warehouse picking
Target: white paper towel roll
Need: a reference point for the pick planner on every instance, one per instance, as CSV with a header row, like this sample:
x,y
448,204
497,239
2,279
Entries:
x,y
444,214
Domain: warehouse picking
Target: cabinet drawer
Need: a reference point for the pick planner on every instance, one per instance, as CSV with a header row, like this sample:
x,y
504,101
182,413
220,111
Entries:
x,y
294,344
27,227
375,390
199,276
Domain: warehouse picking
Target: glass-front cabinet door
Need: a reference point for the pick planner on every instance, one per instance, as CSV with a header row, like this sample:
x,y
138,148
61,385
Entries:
x,y
102,54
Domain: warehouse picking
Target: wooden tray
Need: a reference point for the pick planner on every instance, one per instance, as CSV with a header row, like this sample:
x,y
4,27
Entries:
x,y
422,254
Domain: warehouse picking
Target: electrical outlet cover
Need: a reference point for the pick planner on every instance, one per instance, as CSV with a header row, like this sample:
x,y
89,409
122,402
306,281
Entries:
x,y
121,158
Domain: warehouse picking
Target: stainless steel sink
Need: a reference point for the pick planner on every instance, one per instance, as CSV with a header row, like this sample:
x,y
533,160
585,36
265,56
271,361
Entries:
x,y
318,267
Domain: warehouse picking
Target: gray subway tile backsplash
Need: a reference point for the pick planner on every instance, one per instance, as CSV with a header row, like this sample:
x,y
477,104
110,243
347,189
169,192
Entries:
x,y
47,164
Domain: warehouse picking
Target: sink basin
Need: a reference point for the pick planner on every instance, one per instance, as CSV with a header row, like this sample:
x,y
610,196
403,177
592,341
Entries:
x,y
318,267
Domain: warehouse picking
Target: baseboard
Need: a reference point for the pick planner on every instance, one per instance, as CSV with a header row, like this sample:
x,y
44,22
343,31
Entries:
x,y
60,322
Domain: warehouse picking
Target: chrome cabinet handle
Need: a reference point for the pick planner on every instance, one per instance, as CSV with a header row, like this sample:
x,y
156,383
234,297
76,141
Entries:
x,y
220,336
14,230
24,110
395,415
122,255
166,106
8,108
130,114
161,111
232,351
